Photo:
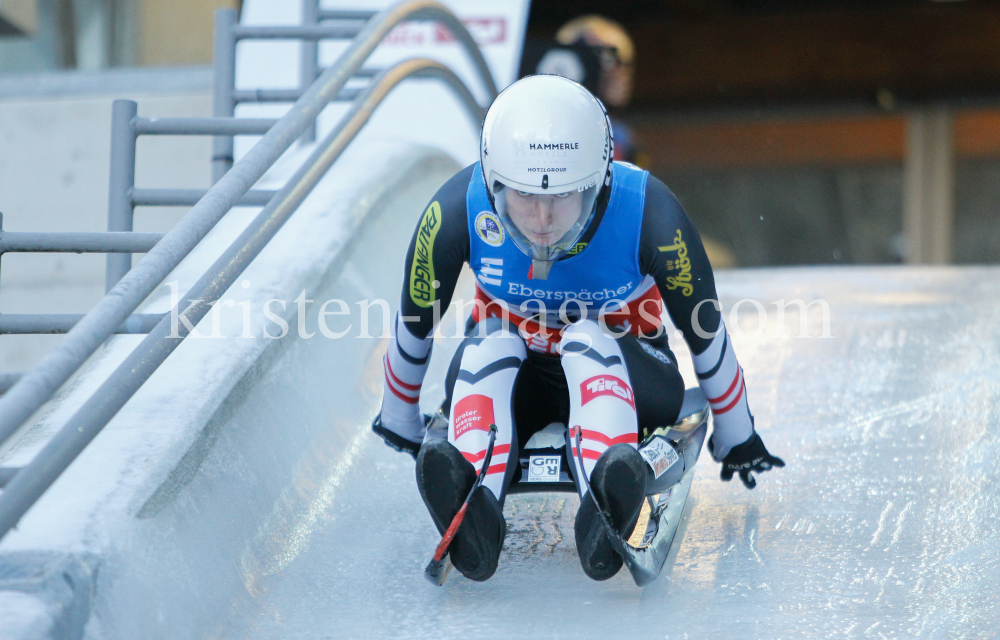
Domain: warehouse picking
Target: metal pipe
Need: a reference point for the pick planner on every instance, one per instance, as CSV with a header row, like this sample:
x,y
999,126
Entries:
x,y
328,14
315,32
120,184
190,197
77,242
39,385
266,95
142,362
1,260
437,12
285,95
367,72
46,323
224,75
203,126
310,59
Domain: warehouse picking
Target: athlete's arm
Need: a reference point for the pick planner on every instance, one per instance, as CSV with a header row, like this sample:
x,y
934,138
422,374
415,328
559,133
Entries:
x,y
670,250
439,247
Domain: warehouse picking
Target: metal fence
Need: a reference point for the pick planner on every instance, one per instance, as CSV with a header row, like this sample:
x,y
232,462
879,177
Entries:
x,y
128,287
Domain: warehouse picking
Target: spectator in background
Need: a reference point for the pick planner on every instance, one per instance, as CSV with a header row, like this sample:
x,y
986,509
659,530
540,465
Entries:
x,y
616,56
599,54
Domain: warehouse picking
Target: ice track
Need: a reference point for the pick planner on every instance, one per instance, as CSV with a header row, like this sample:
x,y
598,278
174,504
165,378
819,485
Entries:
x,y
883,524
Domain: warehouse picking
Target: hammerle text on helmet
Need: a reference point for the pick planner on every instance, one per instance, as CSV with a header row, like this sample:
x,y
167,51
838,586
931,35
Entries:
x,y
558,146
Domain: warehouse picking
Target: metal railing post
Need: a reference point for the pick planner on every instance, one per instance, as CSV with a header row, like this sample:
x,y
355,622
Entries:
x,y
224,73
116,309
34,479
310,59
1,236
121,181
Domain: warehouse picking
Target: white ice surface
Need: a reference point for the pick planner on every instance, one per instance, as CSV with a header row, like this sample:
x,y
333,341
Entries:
x,y
24,616
883,524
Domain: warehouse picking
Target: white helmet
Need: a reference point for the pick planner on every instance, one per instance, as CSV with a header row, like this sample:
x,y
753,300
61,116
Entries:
x,y
546,146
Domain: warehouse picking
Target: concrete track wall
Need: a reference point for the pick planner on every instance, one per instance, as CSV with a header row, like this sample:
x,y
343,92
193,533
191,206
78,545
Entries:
x,y
208,479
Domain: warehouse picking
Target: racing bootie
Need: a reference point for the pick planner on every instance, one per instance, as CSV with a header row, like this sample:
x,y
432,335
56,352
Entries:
x,y
444,478
619,484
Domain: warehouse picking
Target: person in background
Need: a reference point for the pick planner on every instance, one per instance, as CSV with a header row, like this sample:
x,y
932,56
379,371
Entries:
x,y
616,55
599,54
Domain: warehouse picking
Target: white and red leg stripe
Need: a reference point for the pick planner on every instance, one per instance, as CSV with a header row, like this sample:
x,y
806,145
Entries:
x,y
594,443
720,376
405,364
602,403
482,397
498,463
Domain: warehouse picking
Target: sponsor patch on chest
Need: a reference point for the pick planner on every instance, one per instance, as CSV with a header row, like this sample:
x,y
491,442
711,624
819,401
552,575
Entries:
x,y
489,229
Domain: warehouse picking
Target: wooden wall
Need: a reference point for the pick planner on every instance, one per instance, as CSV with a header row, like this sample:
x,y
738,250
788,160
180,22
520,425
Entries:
x,y
825,140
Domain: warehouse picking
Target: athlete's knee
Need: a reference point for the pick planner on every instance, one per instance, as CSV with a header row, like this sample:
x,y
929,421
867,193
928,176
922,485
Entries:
x,y
497,342
490,326
583,336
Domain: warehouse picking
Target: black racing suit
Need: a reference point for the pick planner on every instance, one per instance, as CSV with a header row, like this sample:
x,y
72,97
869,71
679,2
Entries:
x,y
681,280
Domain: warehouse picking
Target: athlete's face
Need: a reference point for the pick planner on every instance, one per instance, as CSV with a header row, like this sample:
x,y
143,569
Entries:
x,y
543,219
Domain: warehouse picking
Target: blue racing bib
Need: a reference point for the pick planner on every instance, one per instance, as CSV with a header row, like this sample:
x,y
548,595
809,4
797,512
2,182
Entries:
x,y
599,275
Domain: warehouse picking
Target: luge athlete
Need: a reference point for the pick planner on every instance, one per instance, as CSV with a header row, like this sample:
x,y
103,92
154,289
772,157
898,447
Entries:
x,y
575,256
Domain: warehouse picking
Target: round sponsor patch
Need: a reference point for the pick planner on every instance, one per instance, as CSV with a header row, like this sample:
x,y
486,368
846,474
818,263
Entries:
x,y
489,229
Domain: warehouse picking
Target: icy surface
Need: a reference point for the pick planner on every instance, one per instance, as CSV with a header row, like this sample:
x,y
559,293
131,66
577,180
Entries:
x,y
24,616
883,524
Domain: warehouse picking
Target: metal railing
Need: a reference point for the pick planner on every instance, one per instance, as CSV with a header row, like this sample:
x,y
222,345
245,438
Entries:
x,y
129,287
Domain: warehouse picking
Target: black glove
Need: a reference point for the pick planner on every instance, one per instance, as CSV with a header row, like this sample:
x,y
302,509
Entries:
x,y
394,440
747,458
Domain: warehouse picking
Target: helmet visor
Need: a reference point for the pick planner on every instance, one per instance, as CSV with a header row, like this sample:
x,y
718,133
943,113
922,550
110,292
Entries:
x,y
545,226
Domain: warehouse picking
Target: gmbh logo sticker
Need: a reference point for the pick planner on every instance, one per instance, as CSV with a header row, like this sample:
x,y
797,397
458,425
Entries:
x,y
544,468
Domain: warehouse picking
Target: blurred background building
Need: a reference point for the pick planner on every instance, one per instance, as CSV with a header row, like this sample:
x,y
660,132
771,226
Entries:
x,y
95,34
793,131
819,131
